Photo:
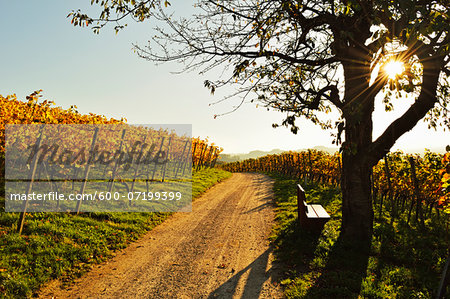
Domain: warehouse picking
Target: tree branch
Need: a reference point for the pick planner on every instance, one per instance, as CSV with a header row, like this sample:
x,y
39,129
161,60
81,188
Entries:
x,y
426,100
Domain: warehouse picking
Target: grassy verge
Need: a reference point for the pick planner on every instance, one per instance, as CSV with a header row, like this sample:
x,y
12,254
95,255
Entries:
x,y
205,179
61,245
405,261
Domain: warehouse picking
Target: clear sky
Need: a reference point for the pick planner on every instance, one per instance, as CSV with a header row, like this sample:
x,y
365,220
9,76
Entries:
x,y
40,49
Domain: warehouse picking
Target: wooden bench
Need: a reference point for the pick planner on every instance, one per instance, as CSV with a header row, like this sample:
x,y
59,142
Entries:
x,y
311,216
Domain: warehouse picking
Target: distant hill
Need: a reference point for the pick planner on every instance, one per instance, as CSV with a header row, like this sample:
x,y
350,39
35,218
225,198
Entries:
x,y
251,155
330,150
227,158
440,150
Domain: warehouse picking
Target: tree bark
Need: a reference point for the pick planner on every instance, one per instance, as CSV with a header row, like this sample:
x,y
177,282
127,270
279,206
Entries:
x,y
357,211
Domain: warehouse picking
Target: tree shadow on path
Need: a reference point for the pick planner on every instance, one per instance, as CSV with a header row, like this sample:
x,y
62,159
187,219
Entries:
x,y
254,282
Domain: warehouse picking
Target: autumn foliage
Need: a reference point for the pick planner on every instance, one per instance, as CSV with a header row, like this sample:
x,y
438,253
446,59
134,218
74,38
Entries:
x,y
37,111
444,187
394,178
32,111
204,154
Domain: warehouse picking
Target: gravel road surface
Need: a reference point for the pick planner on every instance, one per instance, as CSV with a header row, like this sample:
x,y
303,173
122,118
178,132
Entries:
x,y
219,250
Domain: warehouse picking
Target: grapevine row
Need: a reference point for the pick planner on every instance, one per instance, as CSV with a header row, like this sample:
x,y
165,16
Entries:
x,y
406,182
33,111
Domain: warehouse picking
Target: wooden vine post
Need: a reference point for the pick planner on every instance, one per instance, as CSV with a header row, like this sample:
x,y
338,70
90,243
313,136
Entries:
x,y
86,169
216,156
181,159
193,155
419,215
189,157
167,160
390,190
136,170
30,180
157,156
116,164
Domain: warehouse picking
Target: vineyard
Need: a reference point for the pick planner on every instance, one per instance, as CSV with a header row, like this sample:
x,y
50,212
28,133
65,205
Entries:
x,y
54,245
34,111
404,184
101,135
409,249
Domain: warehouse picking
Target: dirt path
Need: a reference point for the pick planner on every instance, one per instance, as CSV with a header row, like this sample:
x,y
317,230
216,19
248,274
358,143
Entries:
x,y
220,250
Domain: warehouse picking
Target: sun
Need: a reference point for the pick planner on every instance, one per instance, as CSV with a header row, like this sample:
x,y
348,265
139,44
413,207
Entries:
x,y
394,68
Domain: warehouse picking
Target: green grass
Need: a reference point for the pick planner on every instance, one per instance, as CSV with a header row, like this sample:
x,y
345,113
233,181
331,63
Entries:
x,y
405,261
208,178
61,245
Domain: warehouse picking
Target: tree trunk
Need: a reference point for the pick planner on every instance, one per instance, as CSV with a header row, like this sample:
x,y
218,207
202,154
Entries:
x,y
357,211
